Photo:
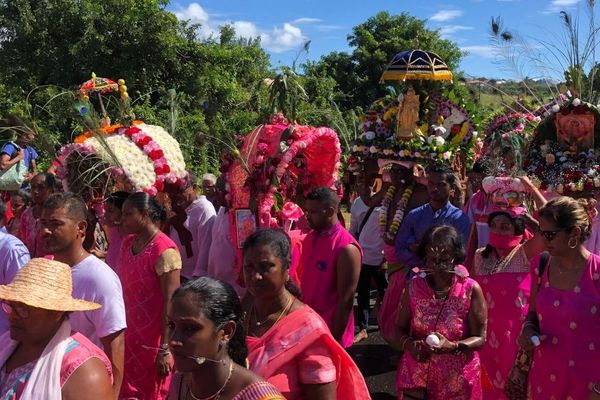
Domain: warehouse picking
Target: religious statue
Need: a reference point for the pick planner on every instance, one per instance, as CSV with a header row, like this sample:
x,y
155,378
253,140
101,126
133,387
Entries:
x,y
408,115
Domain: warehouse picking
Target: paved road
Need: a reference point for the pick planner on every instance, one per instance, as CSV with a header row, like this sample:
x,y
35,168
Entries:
x,y
378,363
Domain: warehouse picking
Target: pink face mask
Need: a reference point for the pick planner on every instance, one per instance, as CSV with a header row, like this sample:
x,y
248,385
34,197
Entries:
x,y
507,242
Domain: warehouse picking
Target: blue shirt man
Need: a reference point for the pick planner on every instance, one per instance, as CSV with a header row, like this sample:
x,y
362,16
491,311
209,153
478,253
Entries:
x,y
439,211
13,255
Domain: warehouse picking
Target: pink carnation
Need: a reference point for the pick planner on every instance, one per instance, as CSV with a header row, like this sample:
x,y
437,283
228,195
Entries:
x,y
262,148
291,211
151,147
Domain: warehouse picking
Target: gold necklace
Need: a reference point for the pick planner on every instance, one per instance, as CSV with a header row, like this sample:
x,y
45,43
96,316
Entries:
x,y
147,241
281,314
217,395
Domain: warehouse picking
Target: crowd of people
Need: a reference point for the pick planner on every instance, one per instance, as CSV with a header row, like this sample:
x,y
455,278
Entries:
x,y
144,300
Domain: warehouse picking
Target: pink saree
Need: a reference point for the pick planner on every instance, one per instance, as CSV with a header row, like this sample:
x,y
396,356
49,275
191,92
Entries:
x,y
443,376
274,355
565,365
507,298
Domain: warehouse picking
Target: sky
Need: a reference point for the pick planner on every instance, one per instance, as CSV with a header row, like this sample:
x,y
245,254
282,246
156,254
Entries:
x,y
285,25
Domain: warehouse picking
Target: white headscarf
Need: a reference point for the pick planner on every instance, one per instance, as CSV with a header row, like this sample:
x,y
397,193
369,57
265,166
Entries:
x,y
44,380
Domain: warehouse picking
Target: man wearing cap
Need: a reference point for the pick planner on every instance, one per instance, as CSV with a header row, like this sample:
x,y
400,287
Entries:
x,y
64,223
13,255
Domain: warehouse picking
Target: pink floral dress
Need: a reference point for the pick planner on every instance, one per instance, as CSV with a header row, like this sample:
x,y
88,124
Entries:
x,y
567,363
443,376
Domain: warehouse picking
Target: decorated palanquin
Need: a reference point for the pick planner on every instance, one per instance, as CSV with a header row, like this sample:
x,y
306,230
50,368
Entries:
x,y
273,168
439,130
562,157
415,126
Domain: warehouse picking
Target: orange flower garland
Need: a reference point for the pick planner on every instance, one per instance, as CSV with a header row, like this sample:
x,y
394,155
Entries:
x,y
109,130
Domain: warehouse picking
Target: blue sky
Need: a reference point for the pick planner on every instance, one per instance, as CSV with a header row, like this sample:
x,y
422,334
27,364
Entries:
x,y
284,25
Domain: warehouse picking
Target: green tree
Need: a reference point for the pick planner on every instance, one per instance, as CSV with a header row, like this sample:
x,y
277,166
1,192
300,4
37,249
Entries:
x,y
60,43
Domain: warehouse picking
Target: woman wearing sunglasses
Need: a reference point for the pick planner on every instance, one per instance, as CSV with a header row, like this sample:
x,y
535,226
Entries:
x,y
502,270
564,310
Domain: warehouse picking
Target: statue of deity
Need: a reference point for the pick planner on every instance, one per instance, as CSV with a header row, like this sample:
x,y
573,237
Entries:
x,y
408,115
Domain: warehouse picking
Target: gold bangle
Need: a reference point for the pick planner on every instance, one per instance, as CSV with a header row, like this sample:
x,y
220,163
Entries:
x,y
596,388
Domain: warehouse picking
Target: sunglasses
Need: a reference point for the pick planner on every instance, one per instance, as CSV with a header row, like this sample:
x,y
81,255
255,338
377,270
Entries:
x,y
19,311
550,235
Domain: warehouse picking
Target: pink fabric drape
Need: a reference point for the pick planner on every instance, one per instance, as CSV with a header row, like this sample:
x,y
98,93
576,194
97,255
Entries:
x,y
272,355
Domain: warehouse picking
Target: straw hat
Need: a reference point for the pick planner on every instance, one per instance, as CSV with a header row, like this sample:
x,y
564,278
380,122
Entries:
x,y
46,284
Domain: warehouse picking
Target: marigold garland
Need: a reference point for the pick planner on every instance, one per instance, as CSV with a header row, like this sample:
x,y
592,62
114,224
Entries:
x,y
109,130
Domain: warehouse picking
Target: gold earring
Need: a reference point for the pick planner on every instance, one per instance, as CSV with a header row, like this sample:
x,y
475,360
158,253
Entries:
x,y
572,246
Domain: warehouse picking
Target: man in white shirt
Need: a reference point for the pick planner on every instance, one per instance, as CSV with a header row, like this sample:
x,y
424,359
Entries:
x,y
13,255
64,223
364,226
191,227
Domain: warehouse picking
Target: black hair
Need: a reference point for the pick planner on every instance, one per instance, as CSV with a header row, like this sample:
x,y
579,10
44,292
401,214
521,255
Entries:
x,y
438,168
49,180
218,301
22,194
442,235
281,245
142,201
479,167
73,205
117,199
325,196
2,210
518,223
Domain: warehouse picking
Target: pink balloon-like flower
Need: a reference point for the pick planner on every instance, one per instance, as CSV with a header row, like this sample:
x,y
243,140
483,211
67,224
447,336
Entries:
x,y
291,211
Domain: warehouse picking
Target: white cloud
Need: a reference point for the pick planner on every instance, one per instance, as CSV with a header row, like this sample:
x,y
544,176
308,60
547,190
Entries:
x,y
449,30
328,28
277,39
560,5
446,15
479,50
194,12
245,29
305,20
283,39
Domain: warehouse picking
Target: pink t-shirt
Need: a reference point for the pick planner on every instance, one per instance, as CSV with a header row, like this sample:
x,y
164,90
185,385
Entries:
x,y
319,274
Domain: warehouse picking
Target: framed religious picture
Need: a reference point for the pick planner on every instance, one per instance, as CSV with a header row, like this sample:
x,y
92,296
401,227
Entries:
x,y
245,223
576,129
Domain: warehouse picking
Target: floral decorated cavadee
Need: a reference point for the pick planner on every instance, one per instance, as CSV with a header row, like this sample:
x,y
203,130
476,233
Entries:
x,y
144,155
505,192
